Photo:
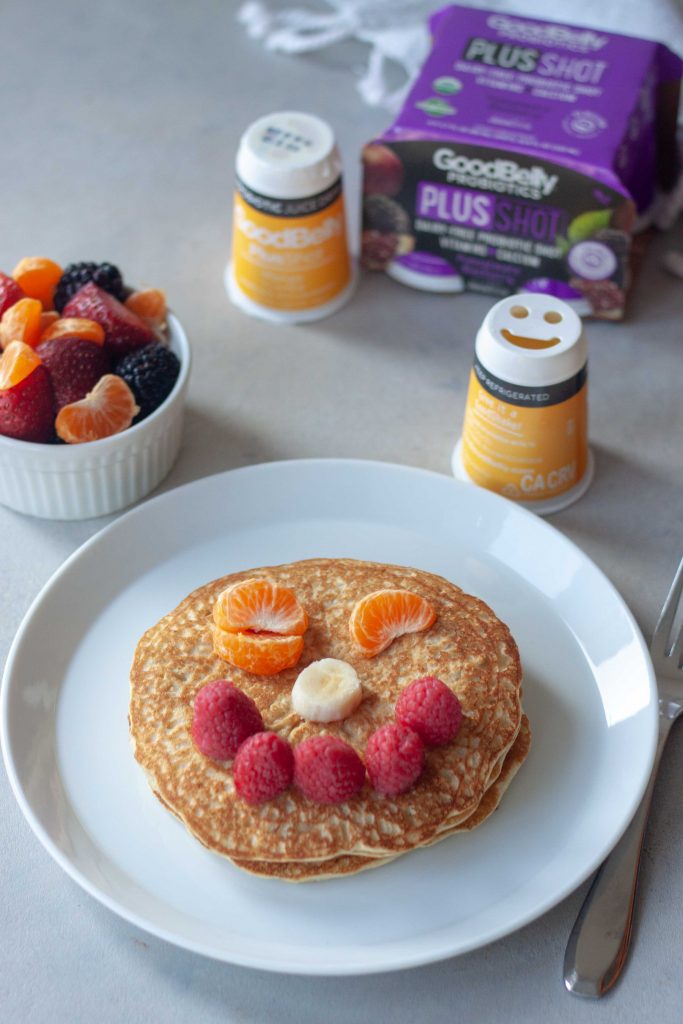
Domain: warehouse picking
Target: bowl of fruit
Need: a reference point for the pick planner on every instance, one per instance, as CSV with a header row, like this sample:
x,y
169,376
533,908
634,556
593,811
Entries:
x,y
93,376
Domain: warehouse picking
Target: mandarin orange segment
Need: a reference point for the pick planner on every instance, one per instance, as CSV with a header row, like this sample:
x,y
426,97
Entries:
x,y
38,277
149,304
106,410
16,362
73,327
384,615
263,654
21,322
47,319
261,605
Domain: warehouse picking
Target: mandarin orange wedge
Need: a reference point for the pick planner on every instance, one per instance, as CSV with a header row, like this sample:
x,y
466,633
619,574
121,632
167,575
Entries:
x,y
38,277
21,322
263,654
106,410
74,327
16,362
260,605
47,318
150,305
384,615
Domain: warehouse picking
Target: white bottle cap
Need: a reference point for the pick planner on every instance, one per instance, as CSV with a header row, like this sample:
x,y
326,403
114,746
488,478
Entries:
x,y
288,155
532,339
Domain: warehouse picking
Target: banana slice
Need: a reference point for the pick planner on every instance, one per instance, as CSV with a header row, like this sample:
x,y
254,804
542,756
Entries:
x,y
326,691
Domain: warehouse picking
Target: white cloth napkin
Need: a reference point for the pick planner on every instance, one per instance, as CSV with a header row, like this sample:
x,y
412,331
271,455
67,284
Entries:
x,y
397,30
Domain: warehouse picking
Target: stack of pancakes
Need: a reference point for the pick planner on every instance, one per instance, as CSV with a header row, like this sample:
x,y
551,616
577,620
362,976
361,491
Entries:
x,y
294,838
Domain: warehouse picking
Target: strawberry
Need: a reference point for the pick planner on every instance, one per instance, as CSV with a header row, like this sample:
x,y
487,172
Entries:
x,y
124,330
74,365
10,292
27,408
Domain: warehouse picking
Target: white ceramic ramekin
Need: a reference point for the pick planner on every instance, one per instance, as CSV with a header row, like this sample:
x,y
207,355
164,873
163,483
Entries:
x,y
81,481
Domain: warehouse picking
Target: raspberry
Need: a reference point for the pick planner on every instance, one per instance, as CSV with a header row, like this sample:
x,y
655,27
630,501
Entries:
x,y
394,757
224,717
431,709
150,373
75,365
328,770
264,766
105,275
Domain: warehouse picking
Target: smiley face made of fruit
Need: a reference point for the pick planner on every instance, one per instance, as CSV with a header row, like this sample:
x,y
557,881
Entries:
x,y
258,626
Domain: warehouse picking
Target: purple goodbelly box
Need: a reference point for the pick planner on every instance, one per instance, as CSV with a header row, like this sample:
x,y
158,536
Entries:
x,y
524,158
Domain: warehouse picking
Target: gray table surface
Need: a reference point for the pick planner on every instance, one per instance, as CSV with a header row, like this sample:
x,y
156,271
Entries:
x,y
118,131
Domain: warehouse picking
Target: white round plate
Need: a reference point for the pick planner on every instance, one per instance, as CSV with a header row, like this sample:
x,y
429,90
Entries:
x,y
589,692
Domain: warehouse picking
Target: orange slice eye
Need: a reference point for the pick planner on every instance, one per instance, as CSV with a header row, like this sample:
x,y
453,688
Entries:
x,y
260,605
261,653
384,615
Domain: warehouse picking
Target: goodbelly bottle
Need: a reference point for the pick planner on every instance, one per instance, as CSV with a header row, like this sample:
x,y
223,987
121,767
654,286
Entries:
x,y
290,259
525,430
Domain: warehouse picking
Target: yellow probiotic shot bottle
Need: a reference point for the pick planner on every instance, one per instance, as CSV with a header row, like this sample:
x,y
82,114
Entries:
x,y
525,431
290,259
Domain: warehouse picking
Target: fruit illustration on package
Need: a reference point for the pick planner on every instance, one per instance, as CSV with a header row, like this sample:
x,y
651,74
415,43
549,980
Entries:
x,y
382,170
100,359
386,232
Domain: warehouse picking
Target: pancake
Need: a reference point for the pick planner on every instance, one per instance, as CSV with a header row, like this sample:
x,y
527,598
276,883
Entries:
x,y
468,647
346,865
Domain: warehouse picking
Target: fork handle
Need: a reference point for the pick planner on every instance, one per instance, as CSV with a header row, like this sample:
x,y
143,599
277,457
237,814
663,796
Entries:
x,y
599,941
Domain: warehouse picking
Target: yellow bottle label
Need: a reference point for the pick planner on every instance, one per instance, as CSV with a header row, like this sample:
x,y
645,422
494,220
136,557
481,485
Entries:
x,y
290,254
527,443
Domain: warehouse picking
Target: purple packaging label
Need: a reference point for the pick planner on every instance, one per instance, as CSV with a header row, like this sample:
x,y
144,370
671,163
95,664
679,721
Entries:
x,y
454,205
494,223
519,155
581,97
549,286
426,263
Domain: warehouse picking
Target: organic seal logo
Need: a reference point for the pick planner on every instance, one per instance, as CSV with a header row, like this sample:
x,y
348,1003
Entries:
x,y
446,84
436,106
584,123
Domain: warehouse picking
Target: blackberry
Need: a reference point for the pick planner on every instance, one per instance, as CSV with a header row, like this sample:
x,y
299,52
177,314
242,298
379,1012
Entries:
x,y
104,275
150,372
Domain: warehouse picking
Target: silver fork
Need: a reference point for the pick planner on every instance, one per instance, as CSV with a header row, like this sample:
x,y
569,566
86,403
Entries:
x,y
599,941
